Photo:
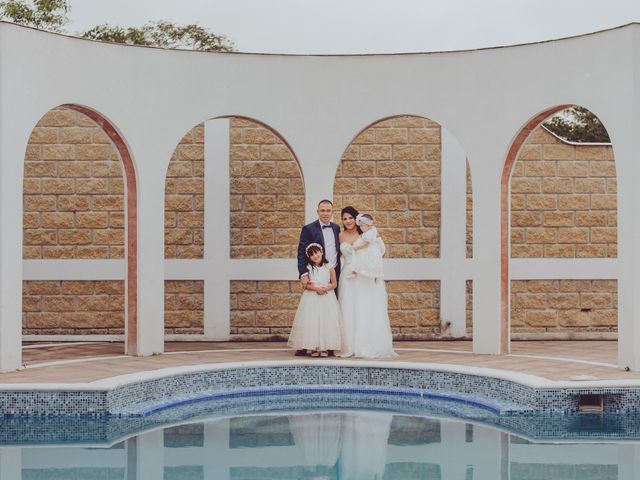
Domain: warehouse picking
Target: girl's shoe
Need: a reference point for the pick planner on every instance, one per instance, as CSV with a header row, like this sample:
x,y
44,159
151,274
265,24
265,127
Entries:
x,y
315,353
324,353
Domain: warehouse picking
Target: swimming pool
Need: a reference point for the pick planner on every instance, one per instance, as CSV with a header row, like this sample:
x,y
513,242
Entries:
x,y
321,436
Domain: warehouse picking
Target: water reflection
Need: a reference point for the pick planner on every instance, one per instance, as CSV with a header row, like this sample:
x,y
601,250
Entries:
x,y
325,445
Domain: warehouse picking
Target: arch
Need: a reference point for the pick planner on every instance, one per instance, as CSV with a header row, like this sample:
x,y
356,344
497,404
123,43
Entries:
x,y
396,169
129,223
547,212
267,202
394,173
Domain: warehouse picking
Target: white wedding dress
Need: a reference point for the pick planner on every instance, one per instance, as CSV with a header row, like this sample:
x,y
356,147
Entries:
x,y
365,438
366,331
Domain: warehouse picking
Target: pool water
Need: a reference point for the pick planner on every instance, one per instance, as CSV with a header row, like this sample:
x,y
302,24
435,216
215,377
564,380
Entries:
x,y
336,444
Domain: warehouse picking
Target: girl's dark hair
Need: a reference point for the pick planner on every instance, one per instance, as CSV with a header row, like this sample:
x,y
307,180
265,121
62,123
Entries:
x,y
311,250
353,212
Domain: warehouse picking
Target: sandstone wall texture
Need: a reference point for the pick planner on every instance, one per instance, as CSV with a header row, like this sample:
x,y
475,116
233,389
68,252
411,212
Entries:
x,y
391,170
184,306
563,206
73,190
73,209
264,310
563,200
73,307
267,193
184,198
567,306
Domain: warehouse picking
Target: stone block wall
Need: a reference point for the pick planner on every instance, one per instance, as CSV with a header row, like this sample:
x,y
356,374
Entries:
x,y
73,307
414,308
391,170
264,309
566,306
184,306
73,190
73,209
563,200
267,193
563,205
184,198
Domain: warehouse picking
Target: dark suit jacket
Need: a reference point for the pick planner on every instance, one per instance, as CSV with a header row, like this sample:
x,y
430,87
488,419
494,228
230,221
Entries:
x,y
312,233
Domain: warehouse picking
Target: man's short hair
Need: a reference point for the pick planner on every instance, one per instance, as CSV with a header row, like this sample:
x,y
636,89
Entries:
x,y
325,201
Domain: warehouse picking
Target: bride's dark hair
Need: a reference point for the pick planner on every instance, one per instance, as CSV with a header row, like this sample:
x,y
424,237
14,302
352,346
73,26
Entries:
x,y
351,211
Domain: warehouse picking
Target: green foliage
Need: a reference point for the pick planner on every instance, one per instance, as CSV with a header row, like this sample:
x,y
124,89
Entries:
x,y
44,14
52,15
577,124
163,34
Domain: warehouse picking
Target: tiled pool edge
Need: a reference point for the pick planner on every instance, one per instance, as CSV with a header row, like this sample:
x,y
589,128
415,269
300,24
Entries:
x,y
134,394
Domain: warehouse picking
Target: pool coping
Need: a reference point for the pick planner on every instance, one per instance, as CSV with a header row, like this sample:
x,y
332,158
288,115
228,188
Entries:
x,y
110,383
144,392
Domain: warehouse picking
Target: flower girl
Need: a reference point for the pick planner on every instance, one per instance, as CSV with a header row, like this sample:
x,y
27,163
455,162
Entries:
x,y
316,327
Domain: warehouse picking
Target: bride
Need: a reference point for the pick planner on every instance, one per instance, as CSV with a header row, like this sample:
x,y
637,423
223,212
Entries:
x,y
365,322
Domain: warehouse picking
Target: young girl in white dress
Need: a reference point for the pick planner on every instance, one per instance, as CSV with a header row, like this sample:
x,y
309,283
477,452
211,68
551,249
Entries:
x,y
316,327
367,256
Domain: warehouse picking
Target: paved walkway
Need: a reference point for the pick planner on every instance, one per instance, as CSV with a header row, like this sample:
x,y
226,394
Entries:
x,y
86,362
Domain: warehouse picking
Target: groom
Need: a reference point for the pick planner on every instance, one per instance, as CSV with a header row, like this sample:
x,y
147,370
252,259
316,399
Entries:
x,y
324,232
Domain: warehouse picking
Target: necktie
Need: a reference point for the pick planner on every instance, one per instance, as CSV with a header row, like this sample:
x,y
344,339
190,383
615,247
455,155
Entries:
x,y
326,226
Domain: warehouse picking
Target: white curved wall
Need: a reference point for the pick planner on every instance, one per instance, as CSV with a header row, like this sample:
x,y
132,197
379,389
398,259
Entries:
x,y
153,96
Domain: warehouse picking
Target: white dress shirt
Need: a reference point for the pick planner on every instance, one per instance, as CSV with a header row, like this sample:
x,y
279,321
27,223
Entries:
x,y
329,244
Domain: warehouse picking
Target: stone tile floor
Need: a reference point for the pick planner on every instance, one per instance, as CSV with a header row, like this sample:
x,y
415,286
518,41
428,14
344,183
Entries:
x,y
86,362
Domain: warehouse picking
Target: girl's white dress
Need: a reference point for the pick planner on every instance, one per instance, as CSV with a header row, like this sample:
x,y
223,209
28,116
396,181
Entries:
x,y
318,437
316,325
366,331
368,261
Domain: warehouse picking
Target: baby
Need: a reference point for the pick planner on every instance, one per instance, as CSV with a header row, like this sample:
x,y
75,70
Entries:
x,y
368,250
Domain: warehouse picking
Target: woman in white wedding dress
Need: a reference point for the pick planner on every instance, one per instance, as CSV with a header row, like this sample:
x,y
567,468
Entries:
x,y
366,331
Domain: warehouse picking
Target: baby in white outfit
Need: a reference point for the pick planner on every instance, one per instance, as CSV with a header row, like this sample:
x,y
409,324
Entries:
x,y
368,250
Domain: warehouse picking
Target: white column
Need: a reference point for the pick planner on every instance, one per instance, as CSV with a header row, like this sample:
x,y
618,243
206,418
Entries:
x,y
150,455
453,234
628,462
150,335
10,463
217,320
216,444
131,459
490,465
452,435
626,144
486,255
11,171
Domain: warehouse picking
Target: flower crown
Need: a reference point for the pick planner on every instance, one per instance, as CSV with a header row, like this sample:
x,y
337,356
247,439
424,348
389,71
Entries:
x,y
360,218
306,250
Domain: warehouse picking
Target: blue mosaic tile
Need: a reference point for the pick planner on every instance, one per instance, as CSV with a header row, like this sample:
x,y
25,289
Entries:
x,y
143,398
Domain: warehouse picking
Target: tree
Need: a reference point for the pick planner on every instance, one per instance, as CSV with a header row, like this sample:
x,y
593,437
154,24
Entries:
x,y
44,14
577,124
52,15
163,34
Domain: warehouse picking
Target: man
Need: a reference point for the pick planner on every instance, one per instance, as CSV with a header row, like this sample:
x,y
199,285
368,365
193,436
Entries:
x,y
324,232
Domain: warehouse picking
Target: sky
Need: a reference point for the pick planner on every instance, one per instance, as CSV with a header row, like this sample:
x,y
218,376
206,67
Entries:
x,y
366,26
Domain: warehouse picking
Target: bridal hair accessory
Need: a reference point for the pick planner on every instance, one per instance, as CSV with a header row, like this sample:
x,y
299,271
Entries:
x,y
362,219
306,250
